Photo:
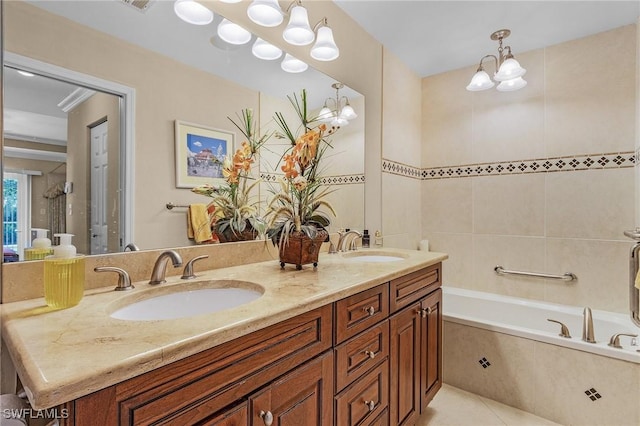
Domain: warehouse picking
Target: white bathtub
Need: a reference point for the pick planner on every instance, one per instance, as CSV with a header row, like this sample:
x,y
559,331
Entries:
x,y
528,319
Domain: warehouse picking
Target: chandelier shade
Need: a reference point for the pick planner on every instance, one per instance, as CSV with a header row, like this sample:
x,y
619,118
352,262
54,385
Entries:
x,y
298,32
193,12
233,33
265,12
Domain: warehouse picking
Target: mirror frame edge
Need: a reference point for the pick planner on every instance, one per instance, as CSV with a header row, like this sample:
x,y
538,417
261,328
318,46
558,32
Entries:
x,y
127,132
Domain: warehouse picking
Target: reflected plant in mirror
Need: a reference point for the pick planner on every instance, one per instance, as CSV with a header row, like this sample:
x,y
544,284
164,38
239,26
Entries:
x,y
233,213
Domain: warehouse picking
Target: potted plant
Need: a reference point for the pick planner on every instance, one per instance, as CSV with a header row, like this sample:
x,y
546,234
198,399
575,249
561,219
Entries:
x,y
298,213
233,214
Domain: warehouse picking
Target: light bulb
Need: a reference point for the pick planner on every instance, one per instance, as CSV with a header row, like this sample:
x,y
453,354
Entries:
x,y
298,31
233,33
192,12
265,12
267,51
293,65
325,48
480,81
511,85
509,69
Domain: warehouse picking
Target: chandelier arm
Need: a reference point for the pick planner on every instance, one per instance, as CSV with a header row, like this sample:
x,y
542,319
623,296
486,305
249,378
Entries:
x,y
324,22
495,59
293,3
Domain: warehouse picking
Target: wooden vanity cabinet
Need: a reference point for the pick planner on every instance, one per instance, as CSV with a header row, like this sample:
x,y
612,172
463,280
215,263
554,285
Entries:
x,y
373,358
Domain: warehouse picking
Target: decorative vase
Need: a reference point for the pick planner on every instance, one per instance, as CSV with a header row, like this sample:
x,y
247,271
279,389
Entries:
x,y
301,250
229,236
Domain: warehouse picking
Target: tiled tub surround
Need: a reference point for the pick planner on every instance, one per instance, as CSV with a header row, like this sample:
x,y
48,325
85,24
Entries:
x,y
44,344
541,179
491,353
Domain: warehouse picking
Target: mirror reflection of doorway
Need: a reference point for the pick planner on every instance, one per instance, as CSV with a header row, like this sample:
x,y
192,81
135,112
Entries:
x,y
15,199
99,182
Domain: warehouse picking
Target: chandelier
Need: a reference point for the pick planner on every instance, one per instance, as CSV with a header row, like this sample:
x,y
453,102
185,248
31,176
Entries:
x,y
341,113
508,71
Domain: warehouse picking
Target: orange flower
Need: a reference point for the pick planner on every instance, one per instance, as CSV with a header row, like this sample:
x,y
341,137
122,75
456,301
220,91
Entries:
x,y
306,145
229,172
289,166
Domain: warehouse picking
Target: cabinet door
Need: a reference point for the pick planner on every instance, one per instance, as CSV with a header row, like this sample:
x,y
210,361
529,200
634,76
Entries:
x,y
405,366
302,397
235,416
430,347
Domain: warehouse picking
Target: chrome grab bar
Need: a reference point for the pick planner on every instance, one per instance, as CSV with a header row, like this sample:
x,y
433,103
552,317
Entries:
x,y
567,276
634,293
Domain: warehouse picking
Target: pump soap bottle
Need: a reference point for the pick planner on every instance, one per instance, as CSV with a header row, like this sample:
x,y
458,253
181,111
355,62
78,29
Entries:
x,y
40,246
63,275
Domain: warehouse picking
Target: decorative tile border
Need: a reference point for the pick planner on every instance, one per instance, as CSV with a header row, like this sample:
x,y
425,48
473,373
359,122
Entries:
x,y
542,165
326,180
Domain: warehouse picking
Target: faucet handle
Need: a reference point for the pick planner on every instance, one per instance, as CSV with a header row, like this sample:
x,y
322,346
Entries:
x,y
187,273
564,330
124,281
614,342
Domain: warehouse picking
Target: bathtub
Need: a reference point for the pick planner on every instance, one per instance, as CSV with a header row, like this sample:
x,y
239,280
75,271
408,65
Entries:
x,y
503,348
528,319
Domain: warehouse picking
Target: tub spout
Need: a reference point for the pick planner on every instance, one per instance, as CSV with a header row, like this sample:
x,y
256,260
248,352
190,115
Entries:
x,y
587,326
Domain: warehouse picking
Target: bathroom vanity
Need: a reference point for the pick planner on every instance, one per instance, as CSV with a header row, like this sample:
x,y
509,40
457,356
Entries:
x,y
353,342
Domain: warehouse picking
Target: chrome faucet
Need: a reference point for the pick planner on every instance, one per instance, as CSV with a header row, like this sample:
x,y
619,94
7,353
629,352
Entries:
x,y
131,246
587,326
160,267
343,239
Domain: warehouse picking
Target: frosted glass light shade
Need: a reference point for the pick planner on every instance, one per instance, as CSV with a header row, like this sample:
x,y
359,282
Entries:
x,y
293,65
339,122
325,48
511,85
267,51
265,12
192,12
230,1
480,81
325,114
233,33
508,70
298,31
348,113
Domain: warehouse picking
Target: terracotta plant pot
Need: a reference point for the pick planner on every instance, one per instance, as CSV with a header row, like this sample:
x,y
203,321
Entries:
x,y
302,250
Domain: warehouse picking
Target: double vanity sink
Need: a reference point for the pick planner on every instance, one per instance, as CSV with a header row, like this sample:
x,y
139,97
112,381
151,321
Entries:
x,y
112,336
213,296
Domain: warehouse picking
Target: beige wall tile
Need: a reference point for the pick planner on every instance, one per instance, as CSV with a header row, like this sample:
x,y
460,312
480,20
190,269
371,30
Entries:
x,y
509,205
590,204
510,125
562,377
401,207
401,102
590,93
347,199
446,205
516,253
602,270
447,119
457,270
508,379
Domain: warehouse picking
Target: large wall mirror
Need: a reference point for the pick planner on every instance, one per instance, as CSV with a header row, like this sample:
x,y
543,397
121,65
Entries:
x,y
106,57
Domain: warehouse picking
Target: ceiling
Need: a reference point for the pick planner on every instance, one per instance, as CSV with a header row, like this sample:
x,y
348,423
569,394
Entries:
x,y
429,36
432,37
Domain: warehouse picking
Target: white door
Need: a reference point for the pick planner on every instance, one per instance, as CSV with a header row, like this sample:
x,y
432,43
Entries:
x,y
99,179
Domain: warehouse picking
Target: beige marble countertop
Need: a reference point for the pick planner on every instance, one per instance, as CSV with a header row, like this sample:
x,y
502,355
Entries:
x,y
61,355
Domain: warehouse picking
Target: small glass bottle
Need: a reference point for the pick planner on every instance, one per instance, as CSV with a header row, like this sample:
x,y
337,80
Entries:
x,y
366,239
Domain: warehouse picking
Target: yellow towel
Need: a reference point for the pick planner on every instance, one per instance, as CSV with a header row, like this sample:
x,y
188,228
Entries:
x,y
638,280
198,225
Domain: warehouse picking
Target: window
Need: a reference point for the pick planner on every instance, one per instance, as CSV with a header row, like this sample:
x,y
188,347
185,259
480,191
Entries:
x,y
16,196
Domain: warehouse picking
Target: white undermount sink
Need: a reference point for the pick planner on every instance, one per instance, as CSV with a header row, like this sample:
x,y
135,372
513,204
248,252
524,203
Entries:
x,y
187,303
373,256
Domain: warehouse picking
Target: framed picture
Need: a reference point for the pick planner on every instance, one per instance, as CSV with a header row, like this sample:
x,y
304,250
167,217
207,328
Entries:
x,y
200,151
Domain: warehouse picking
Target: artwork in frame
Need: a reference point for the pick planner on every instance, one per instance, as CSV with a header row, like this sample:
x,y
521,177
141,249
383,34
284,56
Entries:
x,y
200,152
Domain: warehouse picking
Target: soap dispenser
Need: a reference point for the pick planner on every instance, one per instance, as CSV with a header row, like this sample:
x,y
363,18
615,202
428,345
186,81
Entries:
x,y
63,275
40,246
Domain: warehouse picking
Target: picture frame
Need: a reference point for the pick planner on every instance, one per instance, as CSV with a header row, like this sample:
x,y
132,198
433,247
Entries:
x,y
200,152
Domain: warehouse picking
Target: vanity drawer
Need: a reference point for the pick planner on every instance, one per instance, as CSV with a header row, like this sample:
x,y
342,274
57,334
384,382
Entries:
x,y
414,286
361,353
360,311
364,402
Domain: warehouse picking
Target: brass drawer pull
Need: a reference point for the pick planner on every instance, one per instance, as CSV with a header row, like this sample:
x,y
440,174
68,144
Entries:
x,y
370,354
266,417
370,404
370,310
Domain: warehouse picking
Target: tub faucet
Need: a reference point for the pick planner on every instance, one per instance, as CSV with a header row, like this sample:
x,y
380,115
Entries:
x,y
587,326
160,267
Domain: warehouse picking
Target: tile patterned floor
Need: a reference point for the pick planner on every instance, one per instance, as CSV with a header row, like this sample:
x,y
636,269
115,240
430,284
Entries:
x,y
455,407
